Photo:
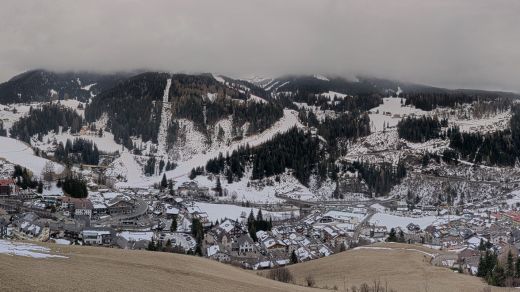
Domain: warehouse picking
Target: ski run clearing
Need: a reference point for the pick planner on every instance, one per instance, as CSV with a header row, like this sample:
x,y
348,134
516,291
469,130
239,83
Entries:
x,y
289,120
165,120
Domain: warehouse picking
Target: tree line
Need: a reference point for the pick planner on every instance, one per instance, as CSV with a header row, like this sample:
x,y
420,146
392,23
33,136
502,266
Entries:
x,y
257,224
77,151
431,99
23,178
496,273
294,150
74,187
380,178
421,129
500,148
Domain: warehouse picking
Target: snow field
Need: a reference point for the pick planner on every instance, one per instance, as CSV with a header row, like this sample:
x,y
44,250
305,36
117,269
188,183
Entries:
x,y
17,152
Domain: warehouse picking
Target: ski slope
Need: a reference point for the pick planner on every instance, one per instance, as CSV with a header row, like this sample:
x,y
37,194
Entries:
x,y
288,121
17,152
165,120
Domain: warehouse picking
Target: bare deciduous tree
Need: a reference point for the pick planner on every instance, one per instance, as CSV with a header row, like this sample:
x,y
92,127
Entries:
x,y
48,172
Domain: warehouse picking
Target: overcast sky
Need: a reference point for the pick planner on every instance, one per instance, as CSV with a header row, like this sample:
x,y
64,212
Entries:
x,y
466,43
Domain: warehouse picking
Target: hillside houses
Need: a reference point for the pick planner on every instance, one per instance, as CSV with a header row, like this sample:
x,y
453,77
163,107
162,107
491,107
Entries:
x,y
8,187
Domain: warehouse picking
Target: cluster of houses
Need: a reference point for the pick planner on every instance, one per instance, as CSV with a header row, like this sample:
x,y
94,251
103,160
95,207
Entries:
x,y
316,235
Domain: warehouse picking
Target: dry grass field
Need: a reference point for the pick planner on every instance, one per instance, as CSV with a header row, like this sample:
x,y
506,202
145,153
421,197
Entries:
x,y
105,269
399,266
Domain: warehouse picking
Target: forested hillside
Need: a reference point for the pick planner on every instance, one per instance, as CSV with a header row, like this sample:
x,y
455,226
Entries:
x,y
77,151
42,85
494,148
190,100
420,129
429,99
48,118
294,150
132,107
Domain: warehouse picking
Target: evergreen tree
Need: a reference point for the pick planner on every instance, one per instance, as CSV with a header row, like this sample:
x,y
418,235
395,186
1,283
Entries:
x,y
510,268
40,187
164,181
517,267
392,236
173,227
259,216
294,258
218,187
75,187
151,246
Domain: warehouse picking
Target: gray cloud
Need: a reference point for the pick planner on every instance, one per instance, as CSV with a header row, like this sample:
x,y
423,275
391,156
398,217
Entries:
x,y
453,43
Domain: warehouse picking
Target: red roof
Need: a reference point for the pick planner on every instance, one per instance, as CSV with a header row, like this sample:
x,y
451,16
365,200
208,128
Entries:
x,y
78,203
6,182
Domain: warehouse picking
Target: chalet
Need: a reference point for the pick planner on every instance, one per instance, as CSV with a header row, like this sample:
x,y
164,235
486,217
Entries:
x,y
191,189
243,244
83,208
99,209
379,232
72,231
171,212
8,187
28,225
274,244
498,237
98,236
449,260
402,206
78,207
304,254
120,205
333,234
467,253
470,265
212,250
222,238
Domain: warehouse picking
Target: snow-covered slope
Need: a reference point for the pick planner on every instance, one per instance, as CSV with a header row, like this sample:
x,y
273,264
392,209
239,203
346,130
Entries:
x,y
165,120
20,153
289,120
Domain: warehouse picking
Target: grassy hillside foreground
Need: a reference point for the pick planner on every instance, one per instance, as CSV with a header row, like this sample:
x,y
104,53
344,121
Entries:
x,y
402,267
105,269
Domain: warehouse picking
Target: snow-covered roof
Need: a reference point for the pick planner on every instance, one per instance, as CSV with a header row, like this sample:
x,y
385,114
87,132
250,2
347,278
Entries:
x,y
212,250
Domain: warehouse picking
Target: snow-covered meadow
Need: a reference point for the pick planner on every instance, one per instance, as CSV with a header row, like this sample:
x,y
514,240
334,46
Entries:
x,y
17,152
222,211
393,221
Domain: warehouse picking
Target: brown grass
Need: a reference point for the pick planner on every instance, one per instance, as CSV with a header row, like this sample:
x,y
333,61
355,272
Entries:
x,y
402,270
105,269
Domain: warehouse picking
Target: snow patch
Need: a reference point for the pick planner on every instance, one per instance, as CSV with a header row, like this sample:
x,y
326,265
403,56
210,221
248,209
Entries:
x,y
26,249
